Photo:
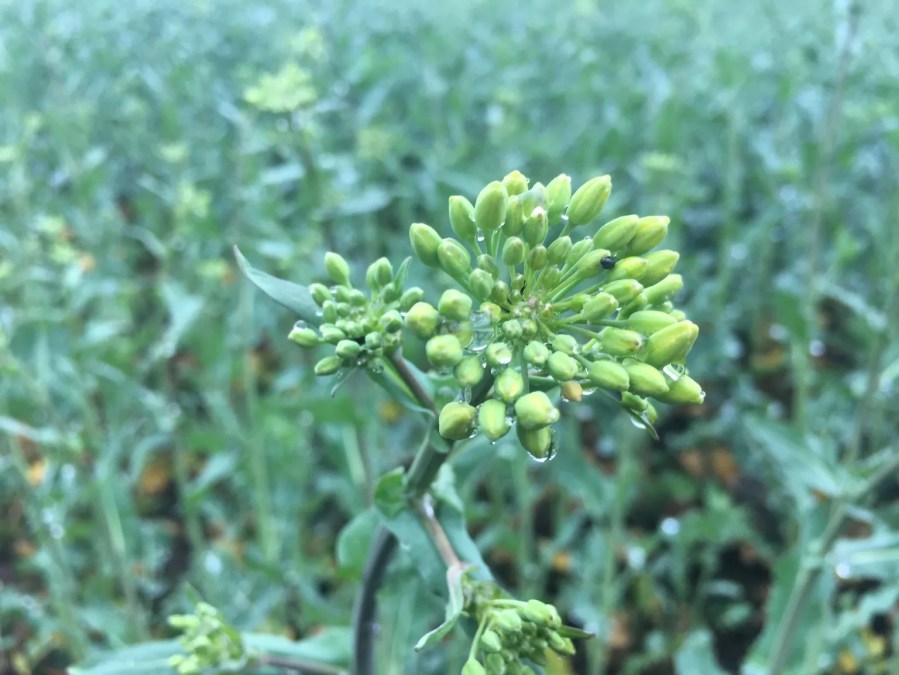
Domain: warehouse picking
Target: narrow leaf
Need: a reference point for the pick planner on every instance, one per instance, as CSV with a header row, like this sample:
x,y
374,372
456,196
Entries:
x,y
286,293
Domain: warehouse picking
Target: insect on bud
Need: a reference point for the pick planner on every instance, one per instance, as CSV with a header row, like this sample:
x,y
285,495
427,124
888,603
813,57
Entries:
x,y
615,234
509,385
456,421
490,207
305,337
453,258
425,242
328,366
461,215
651,230
469,371
589,200
513,251
670,344
515,182
558,193
628,268
337,268
454,305
645,380
481,284
535,411
422,319
444,351
608,375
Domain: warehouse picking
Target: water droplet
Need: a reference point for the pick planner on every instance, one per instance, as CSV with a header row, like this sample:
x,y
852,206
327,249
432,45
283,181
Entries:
x,y
465,395
504,359
636,558
778,332
589,391
480,236
550,453
319,313
843,570
56,531
816,348
674,373
300,325
670,526
637,423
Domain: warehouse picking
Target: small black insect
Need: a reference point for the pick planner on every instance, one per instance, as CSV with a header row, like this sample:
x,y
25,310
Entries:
x,y
608,262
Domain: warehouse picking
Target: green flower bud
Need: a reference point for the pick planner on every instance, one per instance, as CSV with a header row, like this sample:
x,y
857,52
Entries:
x,y
454,305
337,268
645,380
490,641
538,258
648,321
514,218
623,290
320,294
515,182
488,264
536,353
512,329
633,306
566,344
551,277
535,410
509,385
328,366
620,342
495,664
481,284
528,328
357,298
425,242
490,207
453,258
329,311
391,321
558,251
535,227
513,251
373,340
456,421
540,613
500,292
343,294
581,249
589,200
532,199
492,311
348,349
590,265
678,314
670,344
497,354
444,351
379,274
650,231
469,371
659,265
465,332
410,297
572,391
628,268
559,644
599,307
391,293
562,367
608,375
558,193
507,620
305,337
331,333
667,307
461,215
422,319
538,442
472,667
664,290
634,402
683,391
616,234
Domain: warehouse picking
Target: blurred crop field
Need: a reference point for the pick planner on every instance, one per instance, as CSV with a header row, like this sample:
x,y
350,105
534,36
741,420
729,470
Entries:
x,y
161,441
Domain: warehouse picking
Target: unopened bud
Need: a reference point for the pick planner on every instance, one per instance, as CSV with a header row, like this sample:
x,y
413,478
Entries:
x,y
410,297
538,257
305,337
620,342
453,258
529,328
508,621
624,290
509,385
562,367
357,298
651,230
490,641
481,284
456,421
331,333
492,419
490,207
454,305
328,366
492,311
422,319
469,371
515,182
513,251
579,250
444,351
535,227
379,274
558,251
337,268
645,380
348,349
535,411
461,215
538,442
599,307
391,321
495,664
425,242
608,375
566,344
633,306
589,200
532,199
320,294
664,290
628,268
558,193
683,391
500,292
497,354
373,339
616,234
572,391
473,667
536,353
512,329
488,264
551,276
648,321
659,265
671,344
634,402
514,217
465,332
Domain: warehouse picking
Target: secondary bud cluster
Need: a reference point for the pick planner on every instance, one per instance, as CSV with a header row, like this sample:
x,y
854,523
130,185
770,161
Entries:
x,y
511,632
207,640
556,309
360,327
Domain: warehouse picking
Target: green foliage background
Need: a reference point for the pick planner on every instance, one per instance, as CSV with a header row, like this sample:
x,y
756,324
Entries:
x,y
161,440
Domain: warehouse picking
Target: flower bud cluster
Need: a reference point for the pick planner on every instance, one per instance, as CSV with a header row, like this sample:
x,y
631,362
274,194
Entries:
x,y
556,310
360,327
208,642
511,632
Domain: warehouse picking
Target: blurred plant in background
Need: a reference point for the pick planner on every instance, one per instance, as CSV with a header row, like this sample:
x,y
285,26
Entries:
x,y
158,437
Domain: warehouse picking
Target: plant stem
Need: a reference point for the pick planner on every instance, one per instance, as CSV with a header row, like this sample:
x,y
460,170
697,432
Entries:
x,y
299,666
425,508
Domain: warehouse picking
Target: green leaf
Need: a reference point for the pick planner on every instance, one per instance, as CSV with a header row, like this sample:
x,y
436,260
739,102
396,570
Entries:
x,y
354,541
875,557
285,293
454,606
574,633
146,658
331,645
697,655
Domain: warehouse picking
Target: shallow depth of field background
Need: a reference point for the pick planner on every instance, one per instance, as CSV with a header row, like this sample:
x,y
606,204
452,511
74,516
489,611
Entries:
x,y
161,441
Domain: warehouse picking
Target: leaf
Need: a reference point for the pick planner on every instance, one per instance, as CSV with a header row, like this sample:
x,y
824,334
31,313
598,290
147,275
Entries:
x,y
875,557
390,381
697,655
454,606
146,658
331,646
183,309
285,293
354,541
574,633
